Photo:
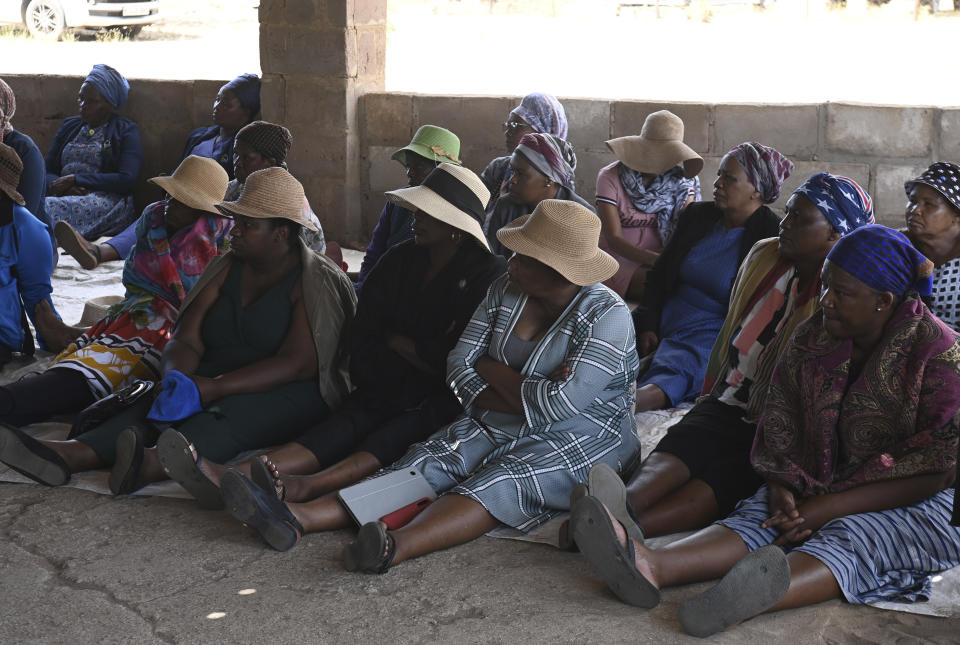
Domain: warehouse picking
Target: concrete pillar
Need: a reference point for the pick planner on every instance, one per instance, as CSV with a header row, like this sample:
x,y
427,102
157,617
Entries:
x,y
318,57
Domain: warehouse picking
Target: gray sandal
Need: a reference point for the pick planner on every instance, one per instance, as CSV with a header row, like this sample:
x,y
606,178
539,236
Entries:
x,y
176,457
372,551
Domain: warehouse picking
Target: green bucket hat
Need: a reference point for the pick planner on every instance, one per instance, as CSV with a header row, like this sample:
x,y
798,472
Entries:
x,y
433,143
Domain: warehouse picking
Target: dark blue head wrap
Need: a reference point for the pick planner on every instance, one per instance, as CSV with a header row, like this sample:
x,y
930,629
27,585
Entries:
x,y
246,88
884,259
841,200
110,83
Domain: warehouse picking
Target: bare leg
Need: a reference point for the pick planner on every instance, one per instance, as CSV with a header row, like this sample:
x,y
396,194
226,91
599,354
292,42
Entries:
x,y
107,253
451,520
79,456
340,475
151,470
323,514
57,334
650,397
811,582
658,475
637,283
293,459
690,507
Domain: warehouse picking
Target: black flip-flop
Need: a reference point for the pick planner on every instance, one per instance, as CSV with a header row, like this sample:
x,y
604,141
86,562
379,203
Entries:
x,y
176,457
606,485
261,511
755,584
372,551
262,476
32,459
594,534
126,467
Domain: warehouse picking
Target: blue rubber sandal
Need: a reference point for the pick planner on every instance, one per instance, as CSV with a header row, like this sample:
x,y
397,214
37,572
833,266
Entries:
x,y
261,511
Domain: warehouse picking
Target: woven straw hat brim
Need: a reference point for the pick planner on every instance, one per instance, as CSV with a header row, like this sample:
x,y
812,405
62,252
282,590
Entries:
x,y
421,198
196,197
263,211
581,271
268,194
655,157
95,309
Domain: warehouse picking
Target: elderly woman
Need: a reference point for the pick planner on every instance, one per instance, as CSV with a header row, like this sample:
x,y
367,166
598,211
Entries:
x,y
33,179
933,226
857,444
236,105
537,113
430,146
95,159
545,372
542,167
26,261
640,196
176,237
253,359
701,469
410,313
688,289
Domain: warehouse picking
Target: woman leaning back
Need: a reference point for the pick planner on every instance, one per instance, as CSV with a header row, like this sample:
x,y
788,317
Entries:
x,y
545,372
688,289
411,310
253,359
857,445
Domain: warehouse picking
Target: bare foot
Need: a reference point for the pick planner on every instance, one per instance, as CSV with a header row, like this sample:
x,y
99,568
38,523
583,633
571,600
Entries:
x,y
290,488
56,334
212,470
643,557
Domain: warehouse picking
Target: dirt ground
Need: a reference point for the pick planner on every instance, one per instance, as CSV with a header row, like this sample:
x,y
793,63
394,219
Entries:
x,y
794,51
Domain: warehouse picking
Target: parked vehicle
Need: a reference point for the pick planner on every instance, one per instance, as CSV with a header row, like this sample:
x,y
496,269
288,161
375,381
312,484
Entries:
x,y
48,18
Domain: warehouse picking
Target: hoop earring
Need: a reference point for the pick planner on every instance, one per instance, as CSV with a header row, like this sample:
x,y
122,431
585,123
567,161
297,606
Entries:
x,y
879,308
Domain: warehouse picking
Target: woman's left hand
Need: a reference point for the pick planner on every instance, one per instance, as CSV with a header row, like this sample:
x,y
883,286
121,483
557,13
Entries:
x,y
62,186
208,389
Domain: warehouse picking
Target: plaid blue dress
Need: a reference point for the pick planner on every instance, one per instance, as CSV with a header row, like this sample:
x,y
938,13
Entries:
x,y
523,468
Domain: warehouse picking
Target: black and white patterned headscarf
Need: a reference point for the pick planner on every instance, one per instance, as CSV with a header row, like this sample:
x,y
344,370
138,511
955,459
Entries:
x,y
943,177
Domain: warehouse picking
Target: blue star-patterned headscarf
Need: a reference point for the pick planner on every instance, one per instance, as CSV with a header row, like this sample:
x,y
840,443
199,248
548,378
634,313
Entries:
x,y
841,200
110,83
883,259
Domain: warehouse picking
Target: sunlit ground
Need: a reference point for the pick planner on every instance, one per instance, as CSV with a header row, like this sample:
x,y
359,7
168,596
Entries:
x,y
795,51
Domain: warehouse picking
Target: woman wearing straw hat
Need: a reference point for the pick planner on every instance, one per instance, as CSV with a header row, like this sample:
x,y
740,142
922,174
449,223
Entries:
x,y
26,262
688,289
177,237
640,196
545,371
410,313
430,146
253,359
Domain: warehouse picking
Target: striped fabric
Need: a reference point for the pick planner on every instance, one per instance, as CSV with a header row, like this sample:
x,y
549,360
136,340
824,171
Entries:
x,y
884,555
522,469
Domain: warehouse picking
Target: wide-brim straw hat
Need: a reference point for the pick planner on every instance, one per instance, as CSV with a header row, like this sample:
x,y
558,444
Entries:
x,y
95,310
565,236
198,182
433,143
267,194
452,194
658,148
11,167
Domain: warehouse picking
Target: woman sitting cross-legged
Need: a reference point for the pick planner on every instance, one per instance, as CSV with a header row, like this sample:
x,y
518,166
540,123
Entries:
x,y
253,360
688,289
410,313
545,372
857,445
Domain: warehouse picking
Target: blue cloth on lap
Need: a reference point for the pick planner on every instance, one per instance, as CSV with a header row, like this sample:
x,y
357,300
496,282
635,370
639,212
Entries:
x,y
179,398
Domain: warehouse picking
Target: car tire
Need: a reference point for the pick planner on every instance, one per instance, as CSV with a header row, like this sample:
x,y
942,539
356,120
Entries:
x,y
44,19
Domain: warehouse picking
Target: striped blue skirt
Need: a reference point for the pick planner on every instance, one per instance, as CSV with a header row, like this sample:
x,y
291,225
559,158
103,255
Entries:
x,y
886,555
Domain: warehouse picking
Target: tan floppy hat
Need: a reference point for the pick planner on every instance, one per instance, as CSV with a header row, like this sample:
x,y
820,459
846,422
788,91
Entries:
x,y
198,182
563,235
10,170
96,309
659,147
452,194
268,194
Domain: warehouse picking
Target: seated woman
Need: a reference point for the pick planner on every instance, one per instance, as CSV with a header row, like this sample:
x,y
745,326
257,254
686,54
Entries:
x,y
541,167
857,445
410,313
640,196
687,290
33,179
95,160
26,262
236,105
177,237
701,468
430,146
545,371
252,362
933,226
537,113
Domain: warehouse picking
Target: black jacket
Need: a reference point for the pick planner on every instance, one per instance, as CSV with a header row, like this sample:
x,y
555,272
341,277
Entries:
x,y
203,134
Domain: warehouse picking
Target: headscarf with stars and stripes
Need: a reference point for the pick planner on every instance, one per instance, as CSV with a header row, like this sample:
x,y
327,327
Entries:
x,y
841,200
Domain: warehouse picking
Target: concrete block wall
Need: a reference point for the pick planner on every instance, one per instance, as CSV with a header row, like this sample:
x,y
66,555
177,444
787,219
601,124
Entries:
x,y
878,146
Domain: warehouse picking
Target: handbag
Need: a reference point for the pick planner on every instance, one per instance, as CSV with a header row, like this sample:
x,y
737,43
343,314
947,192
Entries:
x,y
96,413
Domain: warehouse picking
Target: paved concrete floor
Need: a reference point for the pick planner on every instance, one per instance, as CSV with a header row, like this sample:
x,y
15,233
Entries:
x,y
77,567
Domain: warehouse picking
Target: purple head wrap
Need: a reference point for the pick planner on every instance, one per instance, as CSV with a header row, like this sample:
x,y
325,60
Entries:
x,y
766,168
543,113
551,156
883,259
842,201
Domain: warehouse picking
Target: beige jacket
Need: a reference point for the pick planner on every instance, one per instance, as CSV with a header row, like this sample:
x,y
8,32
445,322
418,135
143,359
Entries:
x,y
330,302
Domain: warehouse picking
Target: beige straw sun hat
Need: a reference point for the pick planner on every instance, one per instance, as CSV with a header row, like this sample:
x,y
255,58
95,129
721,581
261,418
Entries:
x,y
267,194
563,235
658,148
452,194
198,182
95,309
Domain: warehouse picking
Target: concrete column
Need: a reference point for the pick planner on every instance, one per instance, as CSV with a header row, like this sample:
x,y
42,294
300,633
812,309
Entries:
x,y
318,57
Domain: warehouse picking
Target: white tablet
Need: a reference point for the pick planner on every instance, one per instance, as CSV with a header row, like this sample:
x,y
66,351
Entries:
x,y
373,498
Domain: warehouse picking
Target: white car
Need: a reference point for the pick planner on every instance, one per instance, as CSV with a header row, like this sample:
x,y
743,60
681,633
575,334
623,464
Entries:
x,y
48,18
